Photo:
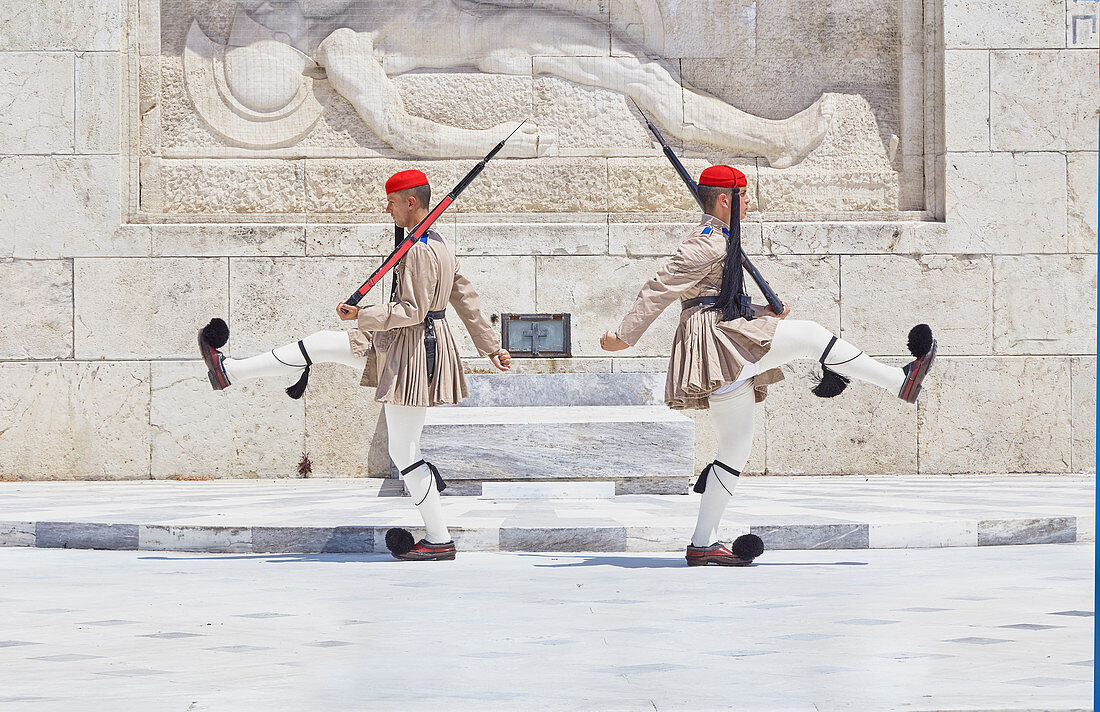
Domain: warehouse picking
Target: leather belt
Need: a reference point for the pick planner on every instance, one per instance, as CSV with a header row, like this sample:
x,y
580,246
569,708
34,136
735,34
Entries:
x,y
430,341
689,303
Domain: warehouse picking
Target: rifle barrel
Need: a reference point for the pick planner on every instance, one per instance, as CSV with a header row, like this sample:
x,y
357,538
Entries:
x,y
769,294
422,227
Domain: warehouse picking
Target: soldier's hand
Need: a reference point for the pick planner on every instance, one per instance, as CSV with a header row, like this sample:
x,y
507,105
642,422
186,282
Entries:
x,y
501,359
347,312
611,342
786,310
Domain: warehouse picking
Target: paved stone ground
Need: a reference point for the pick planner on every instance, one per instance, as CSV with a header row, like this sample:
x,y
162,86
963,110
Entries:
x,y
978,628
349,515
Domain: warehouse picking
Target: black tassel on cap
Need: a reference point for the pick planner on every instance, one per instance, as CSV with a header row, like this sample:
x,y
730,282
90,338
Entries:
x,y
298,389
216,333
399,541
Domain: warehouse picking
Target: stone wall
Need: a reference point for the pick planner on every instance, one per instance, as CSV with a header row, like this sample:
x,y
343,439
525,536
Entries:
x,y
114,249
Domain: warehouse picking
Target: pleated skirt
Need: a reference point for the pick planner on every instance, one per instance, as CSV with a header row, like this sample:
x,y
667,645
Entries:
x,y
708,353
397,366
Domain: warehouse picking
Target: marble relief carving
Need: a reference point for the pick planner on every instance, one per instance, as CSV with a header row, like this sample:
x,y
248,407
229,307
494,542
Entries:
x,y
311,85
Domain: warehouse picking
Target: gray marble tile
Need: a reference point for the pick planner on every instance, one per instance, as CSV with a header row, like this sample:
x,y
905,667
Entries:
x,y
566,389
157,537
312,540
569,450
867,621
67,658
740,653
1047,530
171,636
564,539
79,535
1045,681
978,641
807,636
638,669
813,536
17,533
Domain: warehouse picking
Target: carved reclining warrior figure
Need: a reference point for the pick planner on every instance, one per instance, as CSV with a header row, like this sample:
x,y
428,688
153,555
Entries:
x,y
363,43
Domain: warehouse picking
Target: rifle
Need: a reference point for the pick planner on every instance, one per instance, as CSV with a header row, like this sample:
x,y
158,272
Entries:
x,y
693,187
405,244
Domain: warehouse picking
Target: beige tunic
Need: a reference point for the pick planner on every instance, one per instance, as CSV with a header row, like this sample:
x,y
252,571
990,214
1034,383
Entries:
x,y
706,353
391,335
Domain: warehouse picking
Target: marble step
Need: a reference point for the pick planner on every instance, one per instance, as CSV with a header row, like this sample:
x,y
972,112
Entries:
x,y
642,449
564,389
568,489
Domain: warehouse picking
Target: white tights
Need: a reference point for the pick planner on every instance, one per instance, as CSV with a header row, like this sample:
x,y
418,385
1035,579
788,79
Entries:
x,y
403,423
731,413
287,361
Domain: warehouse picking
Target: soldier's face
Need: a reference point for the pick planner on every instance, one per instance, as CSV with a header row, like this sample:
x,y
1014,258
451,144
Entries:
x,y
397,205
744,198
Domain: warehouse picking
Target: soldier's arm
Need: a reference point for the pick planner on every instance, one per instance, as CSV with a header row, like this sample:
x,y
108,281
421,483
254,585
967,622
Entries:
x,y
467,304
695,258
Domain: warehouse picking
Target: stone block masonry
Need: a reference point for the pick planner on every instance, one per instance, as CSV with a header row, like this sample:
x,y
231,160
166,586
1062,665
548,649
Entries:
x,y
956,185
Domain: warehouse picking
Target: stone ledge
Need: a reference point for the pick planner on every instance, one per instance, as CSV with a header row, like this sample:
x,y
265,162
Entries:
x,y
352,516
371,539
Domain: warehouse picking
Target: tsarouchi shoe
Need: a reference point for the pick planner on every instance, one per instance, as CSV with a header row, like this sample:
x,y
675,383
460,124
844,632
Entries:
x,y
923,347
716,553
424,550
741,552
211,338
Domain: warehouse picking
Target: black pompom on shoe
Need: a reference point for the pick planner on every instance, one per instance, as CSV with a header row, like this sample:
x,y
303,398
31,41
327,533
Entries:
x,y
920,340
923,347
399,541
216,333
747,547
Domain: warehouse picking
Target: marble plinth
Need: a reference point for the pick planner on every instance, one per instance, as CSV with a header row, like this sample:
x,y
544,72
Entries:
x,y
640,448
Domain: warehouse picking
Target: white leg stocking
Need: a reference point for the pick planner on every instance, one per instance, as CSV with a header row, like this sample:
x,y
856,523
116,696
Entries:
x,y
287,361
731,414
808,340
404,425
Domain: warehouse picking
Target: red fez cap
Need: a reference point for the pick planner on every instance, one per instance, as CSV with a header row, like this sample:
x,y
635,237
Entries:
x,y
405,180
723,177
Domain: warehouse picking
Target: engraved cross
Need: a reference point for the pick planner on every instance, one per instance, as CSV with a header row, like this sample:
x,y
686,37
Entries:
x,y
535,333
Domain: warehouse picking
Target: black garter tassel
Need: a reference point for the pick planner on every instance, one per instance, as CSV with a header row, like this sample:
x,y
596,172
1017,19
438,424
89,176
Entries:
x,y
701,484
440,485
298,389
830,384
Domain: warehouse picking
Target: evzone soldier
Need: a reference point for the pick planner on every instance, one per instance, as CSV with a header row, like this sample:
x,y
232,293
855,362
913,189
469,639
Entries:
x,y
403,348
726,351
